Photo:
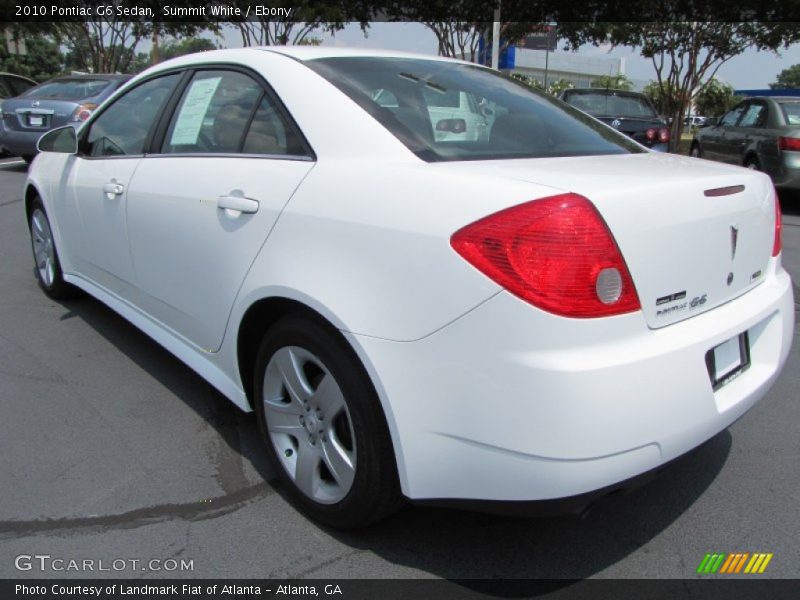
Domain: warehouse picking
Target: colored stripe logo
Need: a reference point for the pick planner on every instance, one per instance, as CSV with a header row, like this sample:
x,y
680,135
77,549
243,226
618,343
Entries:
x,y
734,563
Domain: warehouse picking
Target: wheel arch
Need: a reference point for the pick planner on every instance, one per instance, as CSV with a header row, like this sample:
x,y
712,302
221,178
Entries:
x,y
263,314
31,192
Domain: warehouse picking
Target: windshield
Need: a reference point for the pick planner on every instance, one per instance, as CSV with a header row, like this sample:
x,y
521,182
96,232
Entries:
x,y
445,110
69,89
602,104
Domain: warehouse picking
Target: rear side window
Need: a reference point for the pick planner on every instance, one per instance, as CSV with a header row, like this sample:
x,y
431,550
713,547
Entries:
x,y
213,114
228,112
122,129
443,110
754,116
69,89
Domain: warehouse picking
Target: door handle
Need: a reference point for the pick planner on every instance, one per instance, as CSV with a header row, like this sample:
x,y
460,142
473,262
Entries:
x,y
112,189
237,203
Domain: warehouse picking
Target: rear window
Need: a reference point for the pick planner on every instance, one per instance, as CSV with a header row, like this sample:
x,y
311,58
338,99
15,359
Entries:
x,y
69,89
791,112
600,104
445,110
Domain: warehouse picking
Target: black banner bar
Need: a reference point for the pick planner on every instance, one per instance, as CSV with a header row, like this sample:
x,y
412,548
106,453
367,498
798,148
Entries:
x,y
407,589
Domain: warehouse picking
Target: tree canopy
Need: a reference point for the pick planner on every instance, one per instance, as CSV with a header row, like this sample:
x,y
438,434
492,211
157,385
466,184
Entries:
x,y
787,79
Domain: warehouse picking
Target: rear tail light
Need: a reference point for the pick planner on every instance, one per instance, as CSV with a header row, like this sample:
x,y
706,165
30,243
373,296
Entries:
x,y
776,244
556,253
789,143
650,134
83,112
663,135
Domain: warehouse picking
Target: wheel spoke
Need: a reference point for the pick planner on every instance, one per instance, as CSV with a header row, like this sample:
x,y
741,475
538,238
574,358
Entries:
x,y
292,374
306,474
339,463
284,418
328,397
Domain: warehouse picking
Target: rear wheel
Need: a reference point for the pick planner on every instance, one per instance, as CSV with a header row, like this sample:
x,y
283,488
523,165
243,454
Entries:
x,y
323,425
45,255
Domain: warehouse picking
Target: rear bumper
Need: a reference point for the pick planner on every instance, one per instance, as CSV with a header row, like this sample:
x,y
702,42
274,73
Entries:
x,y
789,176
510,403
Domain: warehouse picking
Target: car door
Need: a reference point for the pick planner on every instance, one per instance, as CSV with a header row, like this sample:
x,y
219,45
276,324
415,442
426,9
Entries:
x,y
202,205
725,145
110,151
750,131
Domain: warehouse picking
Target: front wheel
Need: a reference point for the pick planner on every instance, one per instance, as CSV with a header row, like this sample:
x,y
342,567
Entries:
x,y
323,425
45,256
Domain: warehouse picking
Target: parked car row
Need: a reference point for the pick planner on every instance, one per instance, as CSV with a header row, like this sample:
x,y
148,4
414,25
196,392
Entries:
x,y
28,110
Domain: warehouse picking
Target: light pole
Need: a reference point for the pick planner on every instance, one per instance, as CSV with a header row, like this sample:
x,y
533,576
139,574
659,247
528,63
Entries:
x,y
496,38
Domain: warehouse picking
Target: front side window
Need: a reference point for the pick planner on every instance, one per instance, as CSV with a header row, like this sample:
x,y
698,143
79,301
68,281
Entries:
x,y
122,129
444,110
730,118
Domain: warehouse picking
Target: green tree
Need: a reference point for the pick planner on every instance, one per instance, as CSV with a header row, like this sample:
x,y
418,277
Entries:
x,y
714,98
787,79
42,59
685,53
661,96
174,48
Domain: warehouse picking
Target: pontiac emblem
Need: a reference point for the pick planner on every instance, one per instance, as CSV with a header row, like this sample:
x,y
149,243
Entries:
x,y
734,241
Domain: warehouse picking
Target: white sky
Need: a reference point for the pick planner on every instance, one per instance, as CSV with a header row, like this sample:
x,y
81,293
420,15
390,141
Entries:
x,y
751,70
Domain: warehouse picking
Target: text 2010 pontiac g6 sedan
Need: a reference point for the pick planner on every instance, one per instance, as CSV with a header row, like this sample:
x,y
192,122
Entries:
x,y
537,312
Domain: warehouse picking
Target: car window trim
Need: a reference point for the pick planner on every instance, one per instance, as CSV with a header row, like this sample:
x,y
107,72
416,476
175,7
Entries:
x,y
267,91
84,134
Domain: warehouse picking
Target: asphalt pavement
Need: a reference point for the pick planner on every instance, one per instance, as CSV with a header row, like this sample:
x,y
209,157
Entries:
x,y
113,450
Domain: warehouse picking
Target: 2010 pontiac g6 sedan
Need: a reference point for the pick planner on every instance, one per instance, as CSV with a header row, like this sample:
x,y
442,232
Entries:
x,y
538,312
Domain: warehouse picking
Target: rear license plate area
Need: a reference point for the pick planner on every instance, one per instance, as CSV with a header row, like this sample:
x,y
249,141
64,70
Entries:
x,y
728,360
36,120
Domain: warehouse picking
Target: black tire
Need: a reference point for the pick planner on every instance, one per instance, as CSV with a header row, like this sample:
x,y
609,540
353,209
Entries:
x,y
752,163
56,288
375,490
695,151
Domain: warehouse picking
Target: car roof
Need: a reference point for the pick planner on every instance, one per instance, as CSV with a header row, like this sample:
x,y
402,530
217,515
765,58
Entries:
x,y
91,76
17,76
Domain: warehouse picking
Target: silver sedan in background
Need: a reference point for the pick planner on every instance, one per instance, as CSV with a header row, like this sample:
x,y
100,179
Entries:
x,y
761,133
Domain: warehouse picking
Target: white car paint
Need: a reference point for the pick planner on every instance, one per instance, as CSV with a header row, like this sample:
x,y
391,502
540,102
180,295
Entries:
x,y
486,396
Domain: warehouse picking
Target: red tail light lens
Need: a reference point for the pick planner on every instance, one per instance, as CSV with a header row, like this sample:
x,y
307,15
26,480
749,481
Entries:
x,y
663,135
776,244
83,112
789,143
556,253
650,134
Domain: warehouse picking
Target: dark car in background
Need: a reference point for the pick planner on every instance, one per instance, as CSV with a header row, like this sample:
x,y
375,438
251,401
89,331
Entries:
x,y
13,85
761,133
67,100
631,113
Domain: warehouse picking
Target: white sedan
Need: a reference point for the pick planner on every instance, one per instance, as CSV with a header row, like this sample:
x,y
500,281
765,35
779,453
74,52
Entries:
x,y
541,313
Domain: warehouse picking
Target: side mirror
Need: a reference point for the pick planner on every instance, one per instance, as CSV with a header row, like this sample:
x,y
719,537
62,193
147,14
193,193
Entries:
x,y
63,140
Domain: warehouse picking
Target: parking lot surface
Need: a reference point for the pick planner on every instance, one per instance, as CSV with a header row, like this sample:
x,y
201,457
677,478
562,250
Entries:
x,y
112,449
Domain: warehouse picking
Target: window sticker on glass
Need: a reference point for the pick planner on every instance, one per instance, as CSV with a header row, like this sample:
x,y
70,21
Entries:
x,y
195,106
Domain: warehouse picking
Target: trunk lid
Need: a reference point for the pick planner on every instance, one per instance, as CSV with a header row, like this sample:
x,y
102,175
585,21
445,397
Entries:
x,y
33,114
694,234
